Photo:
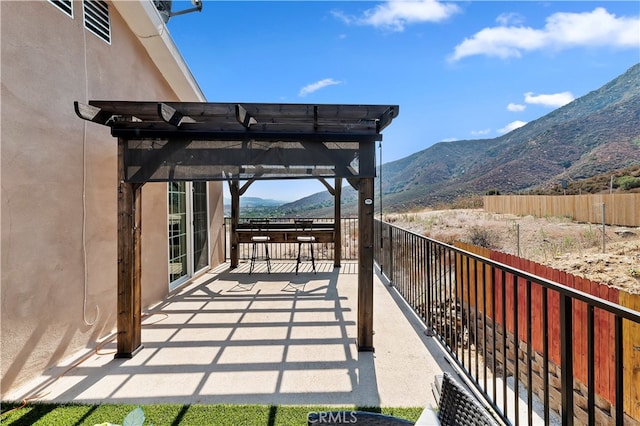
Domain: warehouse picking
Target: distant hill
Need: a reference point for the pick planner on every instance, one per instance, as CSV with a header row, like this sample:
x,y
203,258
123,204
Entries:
x,y
595,134
255,202
255,206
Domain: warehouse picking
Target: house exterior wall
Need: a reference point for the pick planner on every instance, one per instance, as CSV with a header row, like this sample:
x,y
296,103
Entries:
x,y
59,186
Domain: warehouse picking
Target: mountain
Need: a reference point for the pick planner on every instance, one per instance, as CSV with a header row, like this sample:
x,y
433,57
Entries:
x,y
252,202
596,133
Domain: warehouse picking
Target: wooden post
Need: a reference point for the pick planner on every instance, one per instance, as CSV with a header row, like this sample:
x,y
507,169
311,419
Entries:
x,y
129,318
365,259
337,221
234,189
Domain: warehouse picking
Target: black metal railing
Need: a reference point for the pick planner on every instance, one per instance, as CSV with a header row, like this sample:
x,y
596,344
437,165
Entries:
x,y
484,314
287,251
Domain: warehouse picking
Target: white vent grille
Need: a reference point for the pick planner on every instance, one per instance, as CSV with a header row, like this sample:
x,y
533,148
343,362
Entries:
x,y
96,18
64,5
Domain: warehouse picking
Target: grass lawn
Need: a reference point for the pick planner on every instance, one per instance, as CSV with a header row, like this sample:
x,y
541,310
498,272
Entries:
x,y
177,414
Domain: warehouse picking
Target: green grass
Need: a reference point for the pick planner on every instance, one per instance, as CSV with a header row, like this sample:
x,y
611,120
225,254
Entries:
x,y
177,414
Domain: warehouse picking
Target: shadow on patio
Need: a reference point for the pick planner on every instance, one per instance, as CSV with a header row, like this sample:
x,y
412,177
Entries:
x,y
279,338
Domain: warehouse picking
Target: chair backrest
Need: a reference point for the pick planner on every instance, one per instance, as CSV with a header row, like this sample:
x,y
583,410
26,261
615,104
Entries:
x,y
458,407
303,225
259,226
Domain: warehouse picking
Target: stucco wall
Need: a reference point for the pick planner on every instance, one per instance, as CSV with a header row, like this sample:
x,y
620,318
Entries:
x,y
59,185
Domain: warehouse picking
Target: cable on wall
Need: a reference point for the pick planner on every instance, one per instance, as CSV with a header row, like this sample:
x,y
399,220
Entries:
x,y
85,263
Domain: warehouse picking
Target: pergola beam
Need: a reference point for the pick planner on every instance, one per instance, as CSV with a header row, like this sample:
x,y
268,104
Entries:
x,y
326,185
276,132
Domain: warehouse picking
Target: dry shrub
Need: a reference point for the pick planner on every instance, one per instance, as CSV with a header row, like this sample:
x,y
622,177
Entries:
x,y
483,237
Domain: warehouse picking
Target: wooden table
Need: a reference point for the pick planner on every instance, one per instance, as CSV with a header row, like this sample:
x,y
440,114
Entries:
x,y
286,232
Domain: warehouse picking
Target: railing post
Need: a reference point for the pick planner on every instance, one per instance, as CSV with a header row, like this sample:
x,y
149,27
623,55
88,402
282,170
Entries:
x,y
619,356
428,285
566,358
390,276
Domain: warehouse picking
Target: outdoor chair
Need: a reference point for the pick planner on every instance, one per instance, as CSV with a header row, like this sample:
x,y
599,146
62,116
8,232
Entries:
x,y
456,406
303,230
259,237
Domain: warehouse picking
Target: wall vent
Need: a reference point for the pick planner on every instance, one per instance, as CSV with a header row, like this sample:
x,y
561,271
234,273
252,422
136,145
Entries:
x,y
64,5
96,18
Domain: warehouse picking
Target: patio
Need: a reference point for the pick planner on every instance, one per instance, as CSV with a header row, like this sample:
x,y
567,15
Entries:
x,y
279,338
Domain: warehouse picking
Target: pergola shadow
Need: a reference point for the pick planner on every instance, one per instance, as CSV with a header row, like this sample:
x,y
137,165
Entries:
x,y
236,338
211,343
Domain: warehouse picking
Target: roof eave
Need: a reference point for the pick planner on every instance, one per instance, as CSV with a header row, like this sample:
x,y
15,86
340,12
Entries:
x,y
145,22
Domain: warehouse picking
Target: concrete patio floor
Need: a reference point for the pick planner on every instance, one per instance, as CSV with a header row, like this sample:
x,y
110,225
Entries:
x,y
279,338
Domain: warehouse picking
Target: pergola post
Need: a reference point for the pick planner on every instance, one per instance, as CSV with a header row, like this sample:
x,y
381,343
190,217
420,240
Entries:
x,y
234,189
129,318
337,223
365,269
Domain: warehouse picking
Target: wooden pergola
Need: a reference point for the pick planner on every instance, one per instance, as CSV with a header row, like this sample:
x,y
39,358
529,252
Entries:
x,y
193,141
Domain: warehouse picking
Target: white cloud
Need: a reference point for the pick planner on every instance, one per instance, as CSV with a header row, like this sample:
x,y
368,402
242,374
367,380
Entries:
x,y
516,107
313,87
562,31
509,18
449,140
554,100
483,132
394,15
512,126
342,16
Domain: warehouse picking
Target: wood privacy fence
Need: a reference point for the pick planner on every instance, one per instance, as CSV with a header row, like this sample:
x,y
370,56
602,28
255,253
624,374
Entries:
x,y
603,321
620,209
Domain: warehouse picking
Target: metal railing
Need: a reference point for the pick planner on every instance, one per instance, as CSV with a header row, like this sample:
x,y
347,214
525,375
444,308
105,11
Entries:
x,y
481,312
288,251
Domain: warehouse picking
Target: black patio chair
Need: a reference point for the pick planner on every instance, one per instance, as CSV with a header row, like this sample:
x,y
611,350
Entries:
x,y
303,229
458,407
259,236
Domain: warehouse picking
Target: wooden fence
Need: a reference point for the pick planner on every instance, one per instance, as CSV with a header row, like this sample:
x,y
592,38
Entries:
x,y
604,322
620,209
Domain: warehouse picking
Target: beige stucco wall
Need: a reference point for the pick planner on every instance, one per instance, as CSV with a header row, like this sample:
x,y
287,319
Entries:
x,y
58,176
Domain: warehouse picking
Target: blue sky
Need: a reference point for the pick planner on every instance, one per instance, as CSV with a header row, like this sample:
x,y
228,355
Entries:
x,y
458,70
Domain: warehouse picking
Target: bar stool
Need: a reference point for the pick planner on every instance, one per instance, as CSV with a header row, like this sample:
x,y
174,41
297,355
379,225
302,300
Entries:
x,y
259,236
303,229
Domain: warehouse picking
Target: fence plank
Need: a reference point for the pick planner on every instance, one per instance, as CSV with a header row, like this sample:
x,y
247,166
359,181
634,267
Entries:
x,y
604,337
536,314
554,320
580,332
613,296
631,344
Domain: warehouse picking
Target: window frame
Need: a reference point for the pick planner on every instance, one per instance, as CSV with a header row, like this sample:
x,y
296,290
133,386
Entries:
x,y
97,19
65,6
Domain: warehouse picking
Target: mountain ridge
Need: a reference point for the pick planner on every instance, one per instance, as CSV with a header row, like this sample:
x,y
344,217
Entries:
x,y
596,133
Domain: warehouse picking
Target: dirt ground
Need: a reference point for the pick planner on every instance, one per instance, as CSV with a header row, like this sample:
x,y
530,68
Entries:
x,y
557,242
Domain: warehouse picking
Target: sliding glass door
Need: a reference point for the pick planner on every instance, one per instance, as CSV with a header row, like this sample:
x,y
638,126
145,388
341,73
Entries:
x,y
188,230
